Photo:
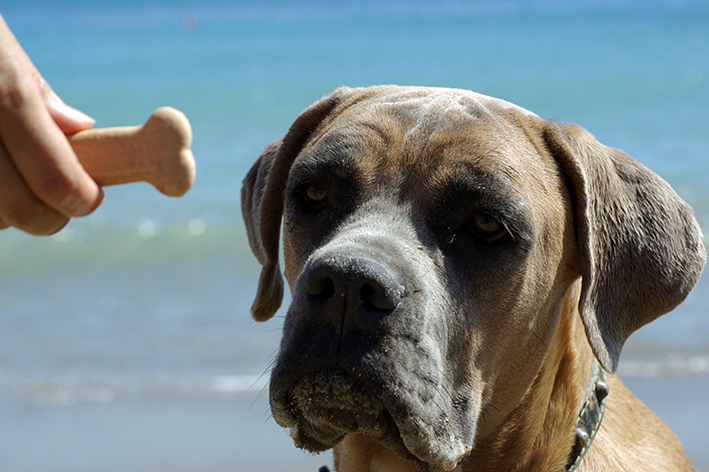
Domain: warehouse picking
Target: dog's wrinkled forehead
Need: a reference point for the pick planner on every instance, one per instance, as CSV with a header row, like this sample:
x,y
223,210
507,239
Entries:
x,y
417,133
421,112
428,109
431,100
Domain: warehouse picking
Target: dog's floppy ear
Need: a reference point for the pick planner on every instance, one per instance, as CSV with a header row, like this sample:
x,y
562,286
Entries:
x,y
262,198
252,190
641,249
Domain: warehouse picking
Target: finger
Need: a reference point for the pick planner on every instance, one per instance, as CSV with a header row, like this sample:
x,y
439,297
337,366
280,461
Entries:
x,y
45,160
20,208
38,148
68,119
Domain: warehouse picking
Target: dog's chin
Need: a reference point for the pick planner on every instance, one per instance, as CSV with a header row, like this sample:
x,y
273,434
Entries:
x,y
321,408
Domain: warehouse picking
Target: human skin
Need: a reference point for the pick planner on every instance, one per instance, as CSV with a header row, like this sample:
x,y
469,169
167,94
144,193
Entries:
x,y
42,183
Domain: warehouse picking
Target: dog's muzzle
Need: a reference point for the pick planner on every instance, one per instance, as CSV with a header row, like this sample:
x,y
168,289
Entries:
x,y
340,370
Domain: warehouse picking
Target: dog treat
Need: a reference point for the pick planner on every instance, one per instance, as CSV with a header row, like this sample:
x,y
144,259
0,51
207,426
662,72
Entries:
x,y
157,152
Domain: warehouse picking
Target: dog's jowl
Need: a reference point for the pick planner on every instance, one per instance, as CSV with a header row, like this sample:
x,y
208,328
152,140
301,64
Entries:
x,y
463,275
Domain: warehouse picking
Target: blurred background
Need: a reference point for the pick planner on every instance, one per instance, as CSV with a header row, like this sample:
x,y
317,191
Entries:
x,y
125,339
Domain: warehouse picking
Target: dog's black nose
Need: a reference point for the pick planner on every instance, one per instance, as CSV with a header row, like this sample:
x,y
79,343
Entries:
x,y
356,287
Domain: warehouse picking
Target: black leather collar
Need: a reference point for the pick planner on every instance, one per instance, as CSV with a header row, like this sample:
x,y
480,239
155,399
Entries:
x,y
589,419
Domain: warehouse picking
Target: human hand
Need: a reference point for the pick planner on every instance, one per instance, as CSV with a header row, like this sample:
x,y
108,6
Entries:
x,y
42,183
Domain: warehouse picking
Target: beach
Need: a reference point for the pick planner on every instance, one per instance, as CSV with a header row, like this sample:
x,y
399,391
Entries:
x,y
125,339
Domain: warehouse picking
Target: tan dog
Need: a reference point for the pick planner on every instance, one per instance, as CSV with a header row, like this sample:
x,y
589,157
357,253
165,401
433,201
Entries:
x,y
456,265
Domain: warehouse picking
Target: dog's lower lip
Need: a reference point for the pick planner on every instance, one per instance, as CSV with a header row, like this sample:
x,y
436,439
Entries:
x,y
331,397
325,406
341,395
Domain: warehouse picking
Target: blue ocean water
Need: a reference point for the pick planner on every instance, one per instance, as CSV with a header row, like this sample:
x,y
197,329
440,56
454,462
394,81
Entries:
x,y
144,304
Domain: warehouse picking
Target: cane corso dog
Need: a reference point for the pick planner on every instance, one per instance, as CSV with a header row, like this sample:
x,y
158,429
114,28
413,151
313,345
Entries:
x,y
463,276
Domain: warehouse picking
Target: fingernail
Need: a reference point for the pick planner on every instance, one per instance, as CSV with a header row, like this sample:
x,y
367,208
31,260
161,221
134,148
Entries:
x,y
71,112
99,199
78,115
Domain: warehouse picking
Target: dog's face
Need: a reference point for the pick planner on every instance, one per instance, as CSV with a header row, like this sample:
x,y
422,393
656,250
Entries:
x,y
403,221
429,240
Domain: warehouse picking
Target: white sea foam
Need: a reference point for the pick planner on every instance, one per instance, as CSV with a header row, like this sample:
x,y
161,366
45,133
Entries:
x,y
160,387
671,365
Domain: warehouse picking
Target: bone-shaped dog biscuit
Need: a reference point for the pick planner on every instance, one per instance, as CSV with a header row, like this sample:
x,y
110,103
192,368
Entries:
x,y
157,152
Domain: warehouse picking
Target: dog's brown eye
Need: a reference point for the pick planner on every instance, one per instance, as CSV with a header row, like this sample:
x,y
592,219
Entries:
x,y
315,196
488,227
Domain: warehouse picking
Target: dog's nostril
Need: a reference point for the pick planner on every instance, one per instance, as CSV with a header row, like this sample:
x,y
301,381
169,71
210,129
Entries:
x,y
327,288
321,287
362,290
374,296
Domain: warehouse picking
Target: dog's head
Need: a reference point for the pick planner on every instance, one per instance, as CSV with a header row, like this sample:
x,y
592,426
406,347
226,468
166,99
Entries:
x,y
430,236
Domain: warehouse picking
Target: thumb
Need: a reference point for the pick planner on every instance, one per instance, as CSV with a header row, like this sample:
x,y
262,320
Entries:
x,y
68,119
